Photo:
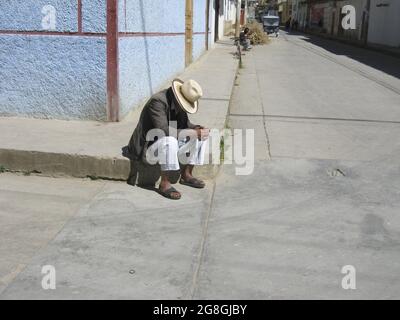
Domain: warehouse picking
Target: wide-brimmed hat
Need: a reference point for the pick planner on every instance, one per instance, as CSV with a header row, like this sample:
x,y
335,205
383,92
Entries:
x,y
187,93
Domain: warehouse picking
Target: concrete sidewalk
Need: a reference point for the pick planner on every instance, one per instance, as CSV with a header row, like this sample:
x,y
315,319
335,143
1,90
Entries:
x,y
93,149
106,239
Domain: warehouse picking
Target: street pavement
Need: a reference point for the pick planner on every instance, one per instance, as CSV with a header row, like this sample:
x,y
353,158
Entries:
x,y
324,194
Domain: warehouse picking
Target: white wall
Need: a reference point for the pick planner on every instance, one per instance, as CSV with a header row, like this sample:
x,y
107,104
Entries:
x,y
230,10
211,42
227,13
221,19
384,23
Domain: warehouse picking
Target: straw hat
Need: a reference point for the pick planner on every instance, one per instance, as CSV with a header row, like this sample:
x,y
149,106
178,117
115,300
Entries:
x,y
187,94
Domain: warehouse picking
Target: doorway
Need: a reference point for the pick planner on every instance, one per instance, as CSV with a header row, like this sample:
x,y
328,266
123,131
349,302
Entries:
x,y
217,8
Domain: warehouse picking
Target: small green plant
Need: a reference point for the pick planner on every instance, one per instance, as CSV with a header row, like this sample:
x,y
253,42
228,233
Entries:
x,y
222,145
221,149
2,169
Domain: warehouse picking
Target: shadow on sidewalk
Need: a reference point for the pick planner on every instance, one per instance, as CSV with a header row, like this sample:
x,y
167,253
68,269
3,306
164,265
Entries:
x,y
377,60
144,175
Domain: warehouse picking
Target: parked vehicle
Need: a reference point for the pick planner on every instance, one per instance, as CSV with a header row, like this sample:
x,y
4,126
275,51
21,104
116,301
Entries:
x,y
271,24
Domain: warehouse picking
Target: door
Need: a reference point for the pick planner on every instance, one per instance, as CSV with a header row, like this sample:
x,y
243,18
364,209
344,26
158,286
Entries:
x,y
189,33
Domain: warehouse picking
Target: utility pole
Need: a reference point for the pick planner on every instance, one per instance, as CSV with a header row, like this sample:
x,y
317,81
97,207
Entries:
x,y
238,10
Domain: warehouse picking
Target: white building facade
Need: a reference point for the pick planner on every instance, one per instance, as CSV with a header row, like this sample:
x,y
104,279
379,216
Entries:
x,y
384,23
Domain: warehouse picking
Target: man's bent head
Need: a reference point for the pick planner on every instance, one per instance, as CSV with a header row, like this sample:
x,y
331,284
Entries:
x,y
187,94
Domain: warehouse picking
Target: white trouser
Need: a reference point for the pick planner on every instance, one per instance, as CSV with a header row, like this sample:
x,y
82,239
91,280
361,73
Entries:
x,y
169,152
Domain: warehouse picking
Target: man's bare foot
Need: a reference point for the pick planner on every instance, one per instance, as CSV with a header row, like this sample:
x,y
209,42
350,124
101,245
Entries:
x,y
188,179
193,182
167,190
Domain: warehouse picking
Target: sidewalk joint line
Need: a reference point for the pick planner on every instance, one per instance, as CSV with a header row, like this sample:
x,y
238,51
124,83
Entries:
x,y
315,118
215,99
200,255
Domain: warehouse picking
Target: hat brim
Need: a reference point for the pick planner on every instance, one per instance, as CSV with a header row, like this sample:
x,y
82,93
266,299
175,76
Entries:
x,y
183,103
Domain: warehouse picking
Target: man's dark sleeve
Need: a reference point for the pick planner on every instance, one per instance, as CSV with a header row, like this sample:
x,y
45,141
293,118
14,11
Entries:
x,y
159,117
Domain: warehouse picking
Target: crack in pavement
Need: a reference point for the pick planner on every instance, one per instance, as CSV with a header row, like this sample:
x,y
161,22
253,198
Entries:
x,y
200,255
264,118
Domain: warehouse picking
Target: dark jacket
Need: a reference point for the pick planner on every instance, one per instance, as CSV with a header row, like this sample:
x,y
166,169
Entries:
x,y
157,113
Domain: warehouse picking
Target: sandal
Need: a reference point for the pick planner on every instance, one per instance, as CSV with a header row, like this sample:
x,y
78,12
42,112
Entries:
x,y
168,193
193,182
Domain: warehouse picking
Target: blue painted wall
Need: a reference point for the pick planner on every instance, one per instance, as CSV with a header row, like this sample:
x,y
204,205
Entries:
x,y
27,14
53,77
94,14
199,45
199,15
152,15
146,63
199,25
50,76
64,76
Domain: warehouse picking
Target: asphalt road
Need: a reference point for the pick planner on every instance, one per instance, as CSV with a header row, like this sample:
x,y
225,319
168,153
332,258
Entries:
x,y
324,194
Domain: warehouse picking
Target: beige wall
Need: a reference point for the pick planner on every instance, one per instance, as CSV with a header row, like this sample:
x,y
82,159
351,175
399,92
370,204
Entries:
x,y
285,8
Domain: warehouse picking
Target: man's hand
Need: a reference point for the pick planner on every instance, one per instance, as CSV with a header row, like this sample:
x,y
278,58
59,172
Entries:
x,y
202,133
